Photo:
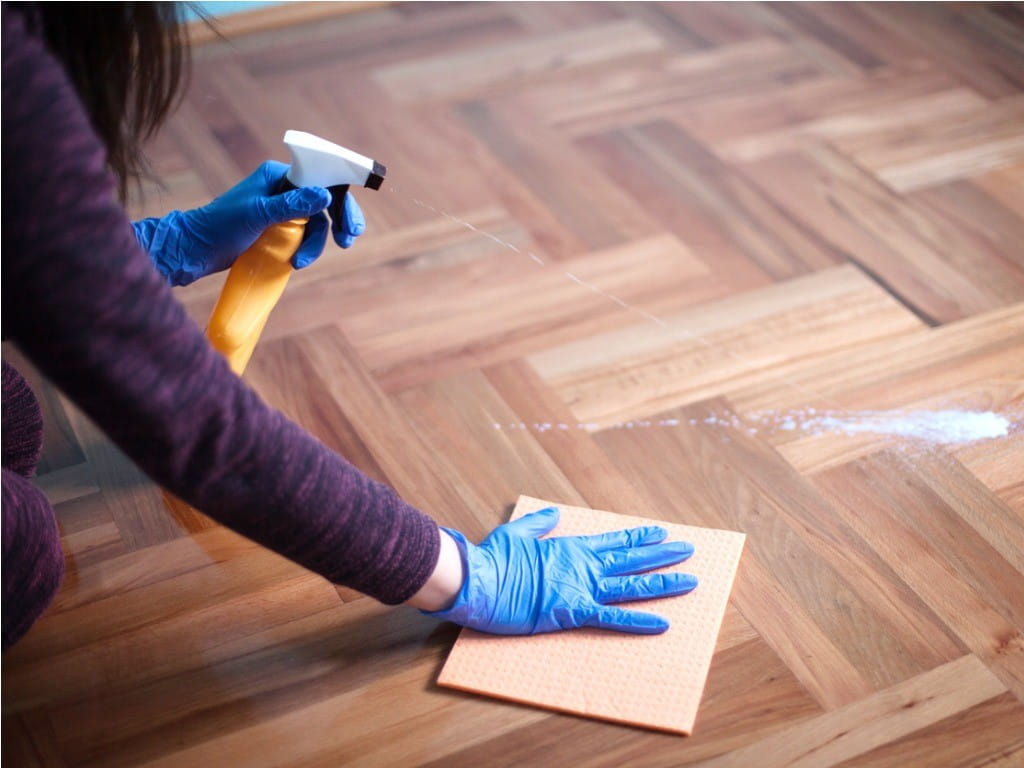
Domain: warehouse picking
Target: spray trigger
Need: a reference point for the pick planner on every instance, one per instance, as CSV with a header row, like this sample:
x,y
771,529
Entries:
x,y
317,162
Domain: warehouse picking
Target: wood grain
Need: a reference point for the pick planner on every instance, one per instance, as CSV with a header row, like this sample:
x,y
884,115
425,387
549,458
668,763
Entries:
x,y
844,733
720,346
619,245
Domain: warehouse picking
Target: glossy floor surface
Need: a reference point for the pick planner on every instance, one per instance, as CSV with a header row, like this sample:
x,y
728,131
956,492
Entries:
x,y
738,266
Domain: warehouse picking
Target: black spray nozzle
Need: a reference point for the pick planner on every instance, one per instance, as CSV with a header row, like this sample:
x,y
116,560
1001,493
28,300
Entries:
x,y
336,208
320,163
376,176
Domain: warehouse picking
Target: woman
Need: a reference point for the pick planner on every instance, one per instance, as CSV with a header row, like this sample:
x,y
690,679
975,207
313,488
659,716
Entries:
x,y
86,298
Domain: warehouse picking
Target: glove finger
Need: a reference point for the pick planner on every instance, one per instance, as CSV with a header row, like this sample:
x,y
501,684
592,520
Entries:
x,y
633,537
313,242
271,172
650,586
296,204
352,224
626,561
621,620
534,525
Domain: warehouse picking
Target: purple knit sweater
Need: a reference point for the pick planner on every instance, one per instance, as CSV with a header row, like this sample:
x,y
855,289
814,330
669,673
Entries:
x,y
85,304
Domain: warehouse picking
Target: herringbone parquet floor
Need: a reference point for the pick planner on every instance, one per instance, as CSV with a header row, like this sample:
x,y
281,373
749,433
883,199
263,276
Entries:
x,y
691,224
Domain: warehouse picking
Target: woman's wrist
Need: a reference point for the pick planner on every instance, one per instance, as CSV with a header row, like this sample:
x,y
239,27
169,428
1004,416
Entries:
x,y
444,584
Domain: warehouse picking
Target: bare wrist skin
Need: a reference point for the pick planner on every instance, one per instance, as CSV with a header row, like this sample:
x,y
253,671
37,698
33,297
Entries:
x,y
440,590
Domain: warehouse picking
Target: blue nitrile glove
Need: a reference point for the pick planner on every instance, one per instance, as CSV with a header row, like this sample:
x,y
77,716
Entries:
x,y
518,584
187,245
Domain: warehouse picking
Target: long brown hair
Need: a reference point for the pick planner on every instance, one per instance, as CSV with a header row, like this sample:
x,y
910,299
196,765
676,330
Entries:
x,y
129,63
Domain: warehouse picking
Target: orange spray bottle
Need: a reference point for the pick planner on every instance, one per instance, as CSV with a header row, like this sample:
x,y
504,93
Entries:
x,y
259,276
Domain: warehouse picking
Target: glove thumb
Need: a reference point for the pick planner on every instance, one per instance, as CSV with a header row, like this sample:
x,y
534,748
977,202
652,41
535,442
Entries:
x,y
535,524
295,204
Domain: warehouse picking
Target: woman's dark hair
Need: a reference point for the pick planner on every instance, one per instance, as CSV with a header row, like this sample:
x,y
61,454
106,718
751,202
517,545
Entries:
x,y
129,63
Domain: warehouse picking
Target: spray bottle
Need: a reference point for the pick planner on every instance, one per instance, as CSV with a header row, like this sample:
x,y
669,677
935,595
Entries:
x,y
259,276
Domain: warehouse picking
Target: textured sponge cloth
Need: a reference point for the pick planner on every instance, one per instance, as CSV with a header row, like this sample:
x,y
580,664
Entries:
x,y
653,681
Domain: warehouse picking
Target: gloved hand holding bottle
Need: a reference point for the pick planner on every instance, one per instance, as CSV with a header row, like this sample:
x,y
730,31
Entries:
x,y
187,245
517,583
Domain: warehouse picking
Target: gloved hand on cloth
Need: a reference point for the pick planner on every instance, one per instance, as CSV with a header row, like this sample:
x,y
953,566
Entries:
x,y
517,583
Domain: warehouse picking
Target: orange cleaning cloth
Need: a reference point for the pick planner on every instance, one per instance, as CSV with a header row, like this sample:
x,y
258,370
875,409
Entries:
x,y
654,681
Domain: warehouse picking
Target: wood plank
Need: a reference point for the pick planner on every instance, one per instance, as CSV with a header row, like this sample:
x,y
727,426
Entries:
x,y
219,163
935,271
663,198
770,114
453,319
310,659
811,444
758,228
970,501
572,196
407,463
988,137
456,417
452,75
717,25
896,517
870,42
830,32
657,87
590,470
990,226
174,627
823,53
415,723
988,63
845,114
325,51
1006,185
974,363
998,465
986,734
645,369
546,17
844,733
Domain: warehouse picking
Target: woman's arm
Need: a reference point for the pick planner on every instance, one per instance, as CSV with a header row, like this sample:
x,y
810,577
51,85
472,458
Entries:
x,y
440,590
83,301
85,304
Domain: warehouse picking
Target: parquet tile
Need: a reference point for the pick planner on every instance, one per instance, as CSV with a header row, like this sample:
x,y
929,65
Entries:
x,y
844,733
701,220
997,723
721,346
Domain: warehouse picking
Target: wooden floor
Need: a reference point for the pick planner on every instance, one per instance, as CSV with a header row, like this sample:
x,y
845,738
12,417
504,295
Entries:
x,y
706,220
